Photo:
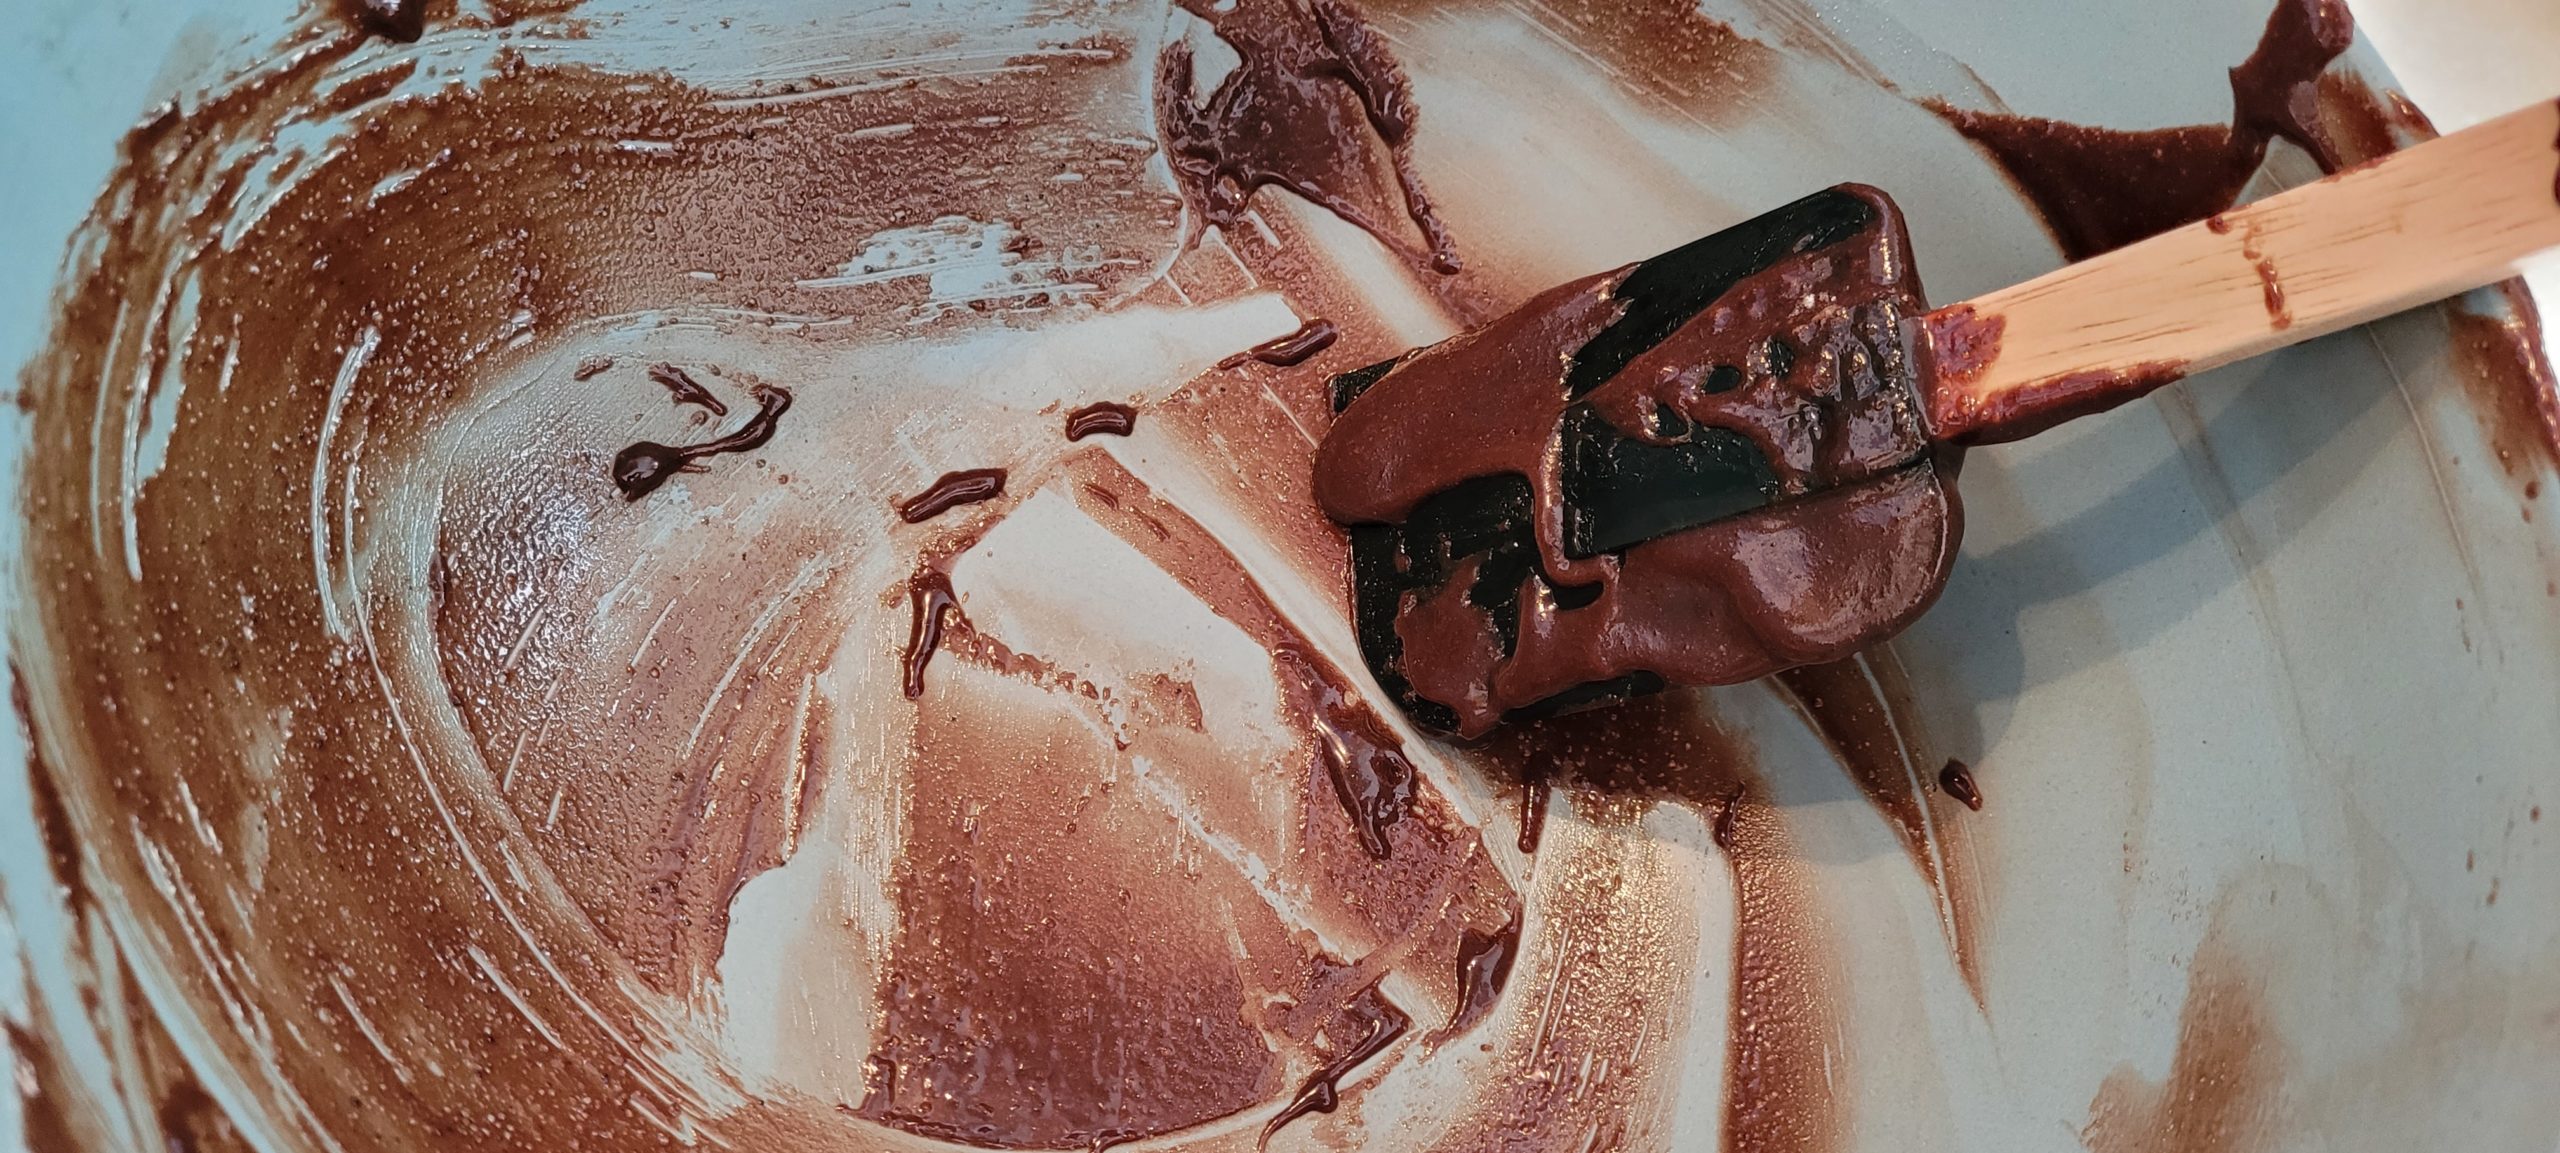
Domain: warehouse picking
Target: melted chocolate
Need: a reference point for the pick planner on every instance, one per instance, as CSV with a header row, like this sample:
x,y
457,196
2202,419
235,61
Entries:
x,y
1316,335
1314,96
591,367
950,491
1802,357
931,599
1102,418
1957,780
1363,1029
682,387
2018,413
1962,344
1484,965
1535,791
1362,756
401,20
639,469
2100,189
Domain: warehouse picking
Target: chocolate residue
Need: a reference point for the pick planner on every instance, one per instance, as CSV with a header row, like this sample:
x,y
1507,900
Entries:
x,y
1535,792
2032,408
1315,87
2508,372
53,822
1781,1071
1363,1029
1957,780
1102,418
1802,357
950,491
680,385
1362,756
1484,964
1960,344
44,1115
592,366
1316,335
1863,709
639,469
401,20
2221,1095
931,597
2279,314
2100,189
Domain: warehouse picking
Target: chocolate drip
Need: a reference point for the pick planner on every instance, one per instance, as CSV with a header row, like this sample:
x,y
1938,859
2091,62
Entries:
x,y
930,594
639,469
684,388
950,491
1379,1023
1362,756
1316,335
2099,189
1314,96
1957,780
1535,791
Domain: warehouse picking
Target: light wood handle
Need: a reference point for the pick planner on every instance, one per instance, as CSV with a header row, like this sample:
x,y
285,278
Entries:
x,y
2433,221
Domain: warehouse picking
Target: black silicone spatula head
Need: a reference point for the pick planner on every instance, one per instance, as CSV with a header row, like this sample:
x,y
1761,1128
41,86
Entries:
x,y
1698,469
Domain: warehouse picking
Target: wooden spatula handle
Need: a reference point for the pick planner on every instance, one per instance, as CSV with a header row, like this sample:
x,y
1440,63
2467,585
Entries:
x,y
2436,220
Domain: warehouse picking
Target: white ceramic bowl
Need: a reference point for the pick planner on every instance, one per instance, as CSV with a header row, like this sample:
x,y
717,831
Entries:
x,y
2260,678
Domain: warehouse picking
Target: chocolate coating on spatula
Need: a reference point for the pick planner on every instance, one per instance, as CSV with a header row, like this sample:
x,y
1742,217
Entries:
x,y
1699,470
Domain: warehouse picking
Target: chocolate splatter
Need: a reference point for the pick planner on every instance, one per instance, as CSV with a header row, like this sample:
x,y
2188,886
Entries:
x,y
1102,418
2099,189
1314,87
1377,1022
950,491
1316,335
684,388
2279,314
1957,780
639,469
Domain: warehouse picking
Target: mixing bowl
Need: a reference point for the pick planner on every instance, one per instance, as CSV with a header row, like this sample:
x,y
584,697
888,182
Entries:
x,y
383,776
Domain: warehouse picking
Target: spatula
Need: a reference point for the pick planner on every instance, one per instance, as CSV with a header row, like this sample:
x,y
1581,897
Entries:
x,y
1739,456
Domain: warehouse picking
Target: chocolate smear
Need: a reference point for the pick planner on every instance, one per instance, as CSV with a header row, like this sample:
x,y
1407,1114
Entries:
x,y
950,491
1293,348
1315,97
684,388
1102,418
639,469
